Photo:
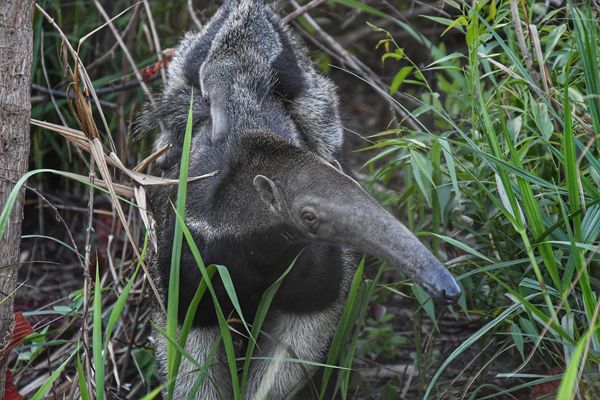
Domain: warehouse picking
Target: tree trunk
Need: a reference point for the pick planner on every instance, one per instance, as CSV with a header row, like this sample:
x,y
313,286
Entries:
x,y
16,38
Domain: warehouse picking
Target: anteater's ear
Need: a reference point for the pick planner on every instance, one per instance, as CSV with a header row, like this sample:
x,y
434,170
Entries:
x,y
268,192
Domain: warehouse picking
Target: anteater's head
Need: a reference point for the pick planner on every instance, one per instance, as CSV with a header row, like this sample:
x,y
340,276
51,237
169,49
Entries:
x,y
324,204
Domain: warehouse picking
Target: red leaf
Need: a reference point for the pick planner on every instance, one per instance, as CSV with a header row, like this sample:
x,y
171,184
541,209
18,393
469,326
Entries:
x,y
151,71
10,391
21,329
546,388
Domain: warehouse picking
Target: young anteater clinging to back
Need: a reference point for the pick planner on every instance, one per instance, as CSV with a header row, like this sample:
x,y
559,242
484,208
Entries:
x,y
268,123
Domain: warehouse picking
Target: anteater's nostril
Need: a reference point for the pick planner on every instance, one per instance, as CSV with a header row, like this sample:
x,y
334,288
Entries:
x,y
452,294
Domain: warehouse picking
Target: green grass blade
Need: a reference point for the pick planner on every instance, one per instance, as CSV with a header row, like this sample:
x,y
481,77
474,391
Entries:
x,y
45,388
259,319
467,343
567,389
230,289
362,305
97,338
344,326
180,350
153,394
83,389
174,275
572,177
122,299
191,314
586,31
223,327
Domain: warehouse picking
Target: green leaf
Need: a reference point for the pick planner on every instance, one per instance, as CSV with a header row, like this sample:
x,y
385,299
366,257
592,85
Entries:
x,y
222,321
343,329
153,394
517,338
460,21
259,318
425,302
228,285
542,119
397,55
399,78
443,60
462,246
422,171
83,389
552,40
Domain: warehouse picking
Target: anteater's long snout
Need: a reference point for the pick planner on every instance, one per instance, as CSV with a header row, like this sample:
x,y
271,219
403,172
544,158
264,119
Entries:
x,y
361,222
388,239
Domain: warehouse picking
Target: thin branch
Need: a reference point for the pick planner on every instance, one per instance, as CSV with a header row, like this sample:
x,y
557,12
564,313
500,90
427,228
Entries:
x,y
87,81
110,53
47,79
193,15
356,65
516,19
155,39
106,90
126,52
302,10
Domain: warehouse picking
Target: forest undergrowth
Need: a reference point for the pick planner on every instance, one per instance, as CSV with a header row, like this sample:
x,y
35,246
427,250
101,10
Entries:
x,y
475,123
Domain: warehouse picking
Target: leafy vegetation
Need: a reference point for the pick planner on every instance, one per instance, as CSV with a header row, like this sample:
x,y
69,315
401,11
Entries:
x,y
491,156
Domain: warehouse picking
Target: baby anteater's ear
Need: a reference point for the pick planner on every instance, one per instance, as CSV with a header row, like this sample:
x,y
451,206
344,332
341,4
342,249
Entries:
x,y
220,120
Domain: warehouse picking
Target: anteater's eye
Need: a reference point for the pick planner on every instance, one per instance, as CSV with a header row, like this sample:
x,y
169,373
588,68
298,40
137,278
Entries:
x,y
309,218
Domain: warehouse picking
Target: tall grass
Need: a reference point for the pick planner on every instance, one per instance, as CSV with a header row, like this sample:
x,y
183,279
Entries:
x,y
521,166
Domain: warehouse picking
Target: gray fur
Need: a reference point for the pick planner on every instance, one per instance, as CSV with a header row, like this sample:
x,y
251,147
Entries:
x,y
268,122
243,54
216,382
301,337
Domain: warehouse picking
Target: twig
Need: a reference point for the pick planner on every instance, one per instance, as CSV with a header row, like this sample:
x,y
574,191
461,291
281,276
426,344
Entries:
x,y
535,38
87,282
125,52
193,15
357,66
61,220
47,79
129,58
514,10
80,67
109,53
425,7
299,11
106,90
157,48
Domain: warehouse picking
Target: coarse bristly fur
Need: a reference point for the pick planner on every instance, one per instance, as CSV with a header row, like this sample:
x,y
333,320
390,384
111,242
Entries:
x,y
247,62
268,122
